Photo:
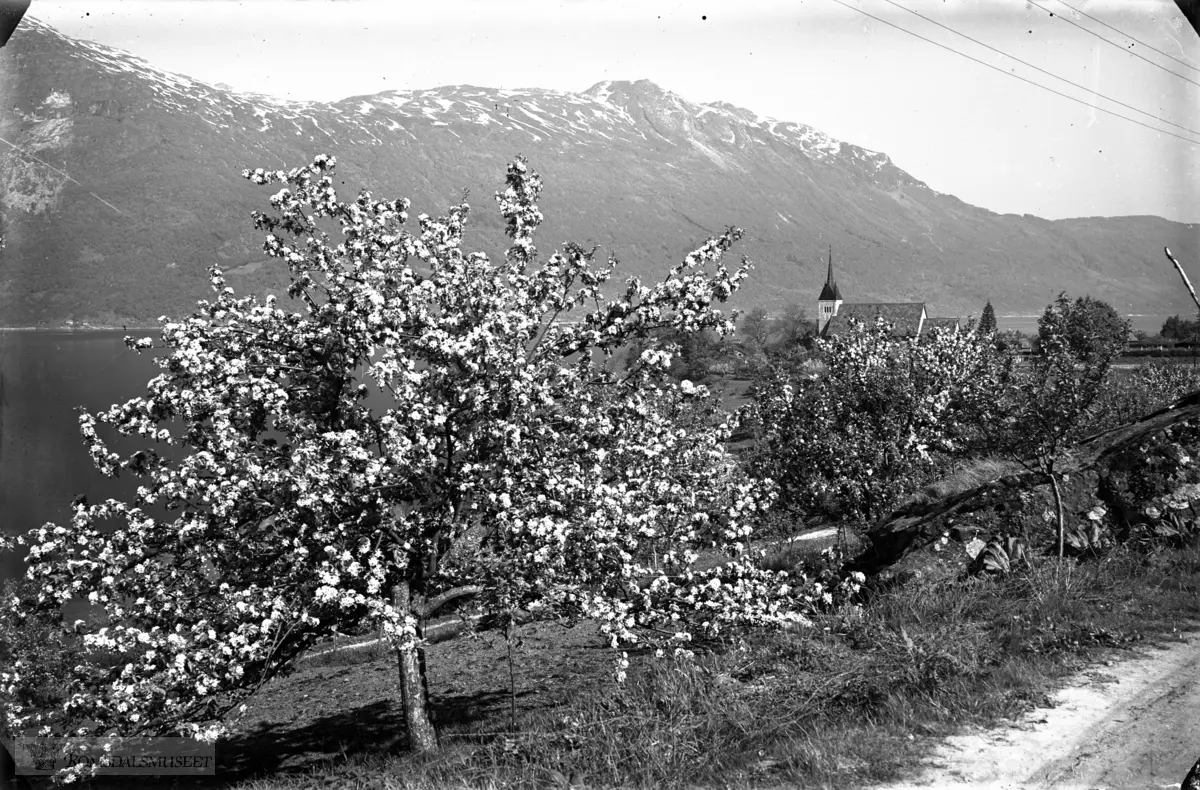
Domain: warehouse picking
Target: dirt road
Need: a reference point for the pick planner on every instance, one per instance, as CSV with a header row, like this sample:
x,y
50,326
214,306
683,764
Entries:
x,y
1132,724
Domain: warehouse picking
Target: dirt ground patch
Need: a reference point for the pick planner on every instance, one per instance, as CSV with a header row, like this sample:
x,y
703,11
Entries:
x,y
325,713
1133,723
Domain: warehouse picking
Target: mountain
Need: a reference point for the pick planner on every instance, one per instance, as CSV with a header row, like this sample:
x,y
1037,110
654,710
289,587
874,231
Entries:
x,y
120,183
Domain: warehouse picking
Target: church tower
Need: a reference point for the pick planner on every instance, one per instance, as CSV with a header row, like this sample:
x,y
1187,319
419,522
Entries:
x,y
830,299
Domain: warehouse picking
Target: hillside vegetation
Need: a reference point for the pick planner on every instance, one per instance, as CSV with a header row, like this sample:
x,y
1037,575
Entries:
x,y
154,196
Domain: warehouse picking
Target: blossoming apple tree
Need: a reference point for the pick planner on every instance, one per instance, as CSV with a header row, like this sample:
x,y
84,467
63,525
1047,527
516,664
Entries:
x,y
860,435
513,465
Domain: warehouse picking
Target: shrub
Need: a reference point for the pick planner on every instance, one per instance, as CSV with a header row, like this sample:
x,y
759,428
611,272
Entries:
x,y
1130,394
851,442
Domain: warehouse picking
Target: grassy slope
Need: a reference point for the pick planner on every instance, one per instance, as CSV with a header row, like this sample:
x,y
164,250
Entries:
x,y
858,699
854,701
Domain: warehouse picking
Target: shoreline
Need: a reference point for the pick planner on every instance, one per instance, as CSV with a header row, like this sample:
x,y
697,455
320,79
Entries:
x,y
87,328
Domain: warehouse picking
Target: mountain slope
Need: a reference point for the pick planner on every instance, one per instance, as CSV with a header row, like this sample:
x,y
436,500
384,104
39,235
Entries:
x,y
120,184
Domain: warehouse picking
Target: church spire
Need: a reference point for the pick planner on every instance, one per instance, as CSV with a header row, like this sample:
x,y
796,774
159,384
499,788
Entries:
x,y
830,292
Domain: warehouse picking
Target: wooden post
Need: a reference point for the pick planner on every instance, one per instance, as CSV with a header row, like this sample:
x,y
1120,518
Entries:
x,y
1192,292
1182,274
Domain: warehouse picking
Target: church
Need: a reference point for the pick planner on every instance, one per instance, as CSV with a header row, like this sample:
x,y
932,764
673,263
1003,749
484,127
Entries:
x,y
909,319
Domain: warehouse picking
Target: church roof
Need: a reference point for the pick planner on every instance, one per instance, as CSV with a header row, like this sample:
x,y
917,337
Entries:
x,y
829,293
940,323
904,317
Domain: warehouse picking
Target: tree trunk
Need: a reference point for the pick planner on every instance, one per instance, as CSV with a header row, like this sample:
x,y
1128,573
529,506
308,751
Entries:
x,y
1058,507
413,690
912,525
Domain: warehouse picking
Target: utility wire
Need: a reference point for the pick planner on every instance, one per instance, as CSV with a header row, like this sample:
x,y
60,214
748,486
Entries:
x,y
1042,70
1131,38
1113,43
1017,76
1164,54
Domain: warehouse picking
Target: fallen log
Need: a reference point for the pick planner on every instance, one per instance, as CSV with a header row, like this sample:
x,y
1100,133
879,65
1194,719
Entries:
x,y
910,527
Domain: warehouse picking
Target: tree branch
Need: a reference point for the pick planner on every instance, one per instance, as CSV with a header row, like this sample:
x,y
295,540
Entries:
x,y
904,530
430,607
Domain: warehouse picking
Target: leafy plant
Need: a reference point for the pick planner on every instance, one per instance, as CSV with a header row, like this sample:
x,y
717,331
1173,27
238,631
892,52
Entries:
x,y
1130,394
998,557
1087,540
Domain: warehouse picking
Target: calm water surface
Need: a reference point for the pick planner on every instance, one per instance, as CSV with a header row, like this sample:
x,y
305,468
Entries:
x,y
1150,324
44,376
44,465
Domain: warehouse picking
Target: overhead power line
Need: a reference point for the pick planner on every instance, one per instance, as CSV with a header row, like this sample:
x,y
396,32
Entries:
x,y
1018,76
1042,70
1113,43
1131,38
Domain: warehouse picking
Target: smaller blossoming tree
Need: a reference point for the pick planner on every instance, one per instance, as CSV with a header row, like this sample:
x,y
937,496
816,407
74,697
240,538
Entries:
x,y
1049,407
884,409
513,465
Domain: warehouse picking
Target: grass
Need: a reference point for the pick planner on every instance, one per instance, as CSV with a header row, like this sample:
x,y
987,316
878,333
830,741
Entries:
x,y
855,700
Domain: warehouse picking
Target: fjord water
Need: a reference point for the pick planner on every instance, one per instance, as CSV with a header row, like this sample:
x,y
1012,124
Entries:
x,y
44,464
1028,324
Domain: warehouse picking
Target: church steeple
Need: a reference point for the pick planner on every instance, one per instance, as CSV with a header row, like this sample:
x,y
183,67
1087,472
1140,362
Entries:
x,y
830,292
830,299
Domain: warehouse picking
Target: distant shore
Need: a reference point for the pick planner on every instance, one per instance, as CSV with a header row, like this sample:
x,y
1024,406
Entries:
x,y
84,328
1026,323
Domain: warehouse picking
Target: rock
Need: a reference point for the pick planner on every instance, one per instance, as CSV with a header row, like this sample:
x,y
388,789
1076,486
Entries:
x,y
928,566
965,533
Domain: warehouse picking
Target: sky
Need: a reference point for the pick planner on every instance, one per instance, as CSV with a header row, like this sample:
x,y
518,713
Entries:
x,y
970,128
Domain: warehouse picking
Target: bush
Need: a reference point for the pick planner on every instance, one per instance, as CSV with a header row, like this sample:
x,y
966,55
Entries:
x,y
1130,394
851,442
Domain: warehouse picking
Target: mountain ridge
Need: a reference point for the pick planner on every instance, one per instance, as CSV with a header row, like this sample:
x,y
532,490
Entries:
x,y
123,184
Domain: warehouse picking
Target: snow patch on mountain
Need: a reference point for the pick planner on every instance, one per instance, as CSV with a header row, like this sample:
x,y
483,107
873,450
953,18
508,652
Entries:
x,y
601,91
636,113
716,157
57,100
